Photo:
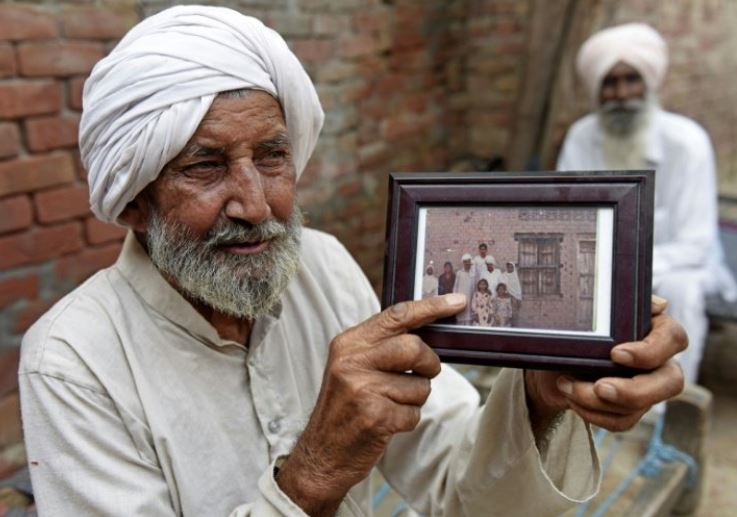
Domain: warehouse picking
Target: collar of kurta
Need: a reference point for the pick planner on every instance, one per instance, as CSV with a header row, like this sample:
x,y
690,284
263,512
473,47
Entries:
x,y
143,276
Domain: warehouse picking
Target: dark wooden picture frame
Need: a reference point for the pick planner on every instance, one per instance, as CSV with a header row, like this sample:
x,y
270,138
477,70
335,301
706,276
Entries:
x,y
628,193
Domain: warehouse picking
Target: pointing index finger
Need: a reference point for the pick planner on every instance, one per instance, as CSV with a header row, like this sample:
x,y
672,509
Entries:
x,y
405,316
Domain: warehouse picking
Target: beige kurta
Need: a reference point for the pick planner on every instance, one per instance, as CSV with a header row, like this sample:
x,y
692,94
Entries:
x,y
133,405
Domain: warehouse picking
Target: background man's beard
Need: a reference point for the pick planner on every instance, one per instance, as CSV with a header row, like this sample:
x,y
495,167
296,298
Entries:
x,y
621,118
625,125
246,286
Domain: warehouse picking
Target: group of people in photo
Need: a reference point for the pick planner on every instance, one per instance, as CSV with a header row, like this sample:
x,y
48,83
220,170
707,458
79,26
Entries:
x,y
495,295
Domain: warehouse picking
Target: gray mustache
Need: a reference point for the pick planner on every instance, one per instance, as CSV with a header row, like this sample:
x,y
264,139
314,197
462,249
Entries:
x,y
631,105
227,232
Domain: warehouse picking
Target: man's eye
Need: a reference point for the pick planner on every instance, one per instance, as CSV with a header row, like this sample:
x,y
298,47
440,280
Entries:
x,y
274,158
202,166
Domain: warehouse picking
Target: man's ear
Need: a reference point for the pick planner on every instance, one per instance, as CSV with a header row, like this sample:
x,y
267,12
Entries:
x,y
135,214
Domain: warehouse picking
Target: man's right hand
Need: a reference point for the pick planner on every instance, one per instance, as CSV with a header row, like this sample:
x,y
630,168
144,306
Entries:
x,y
376,379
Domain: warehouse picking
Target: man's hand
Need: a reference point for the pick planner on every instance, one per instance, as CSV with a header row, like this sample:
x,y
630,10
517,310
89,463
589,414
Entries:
x,y
376,379
614,403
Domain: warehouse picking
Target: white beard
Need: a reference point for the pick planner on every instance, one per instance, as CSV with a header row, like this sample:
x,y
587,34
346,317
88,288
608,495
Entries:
x,y
245,286
624,145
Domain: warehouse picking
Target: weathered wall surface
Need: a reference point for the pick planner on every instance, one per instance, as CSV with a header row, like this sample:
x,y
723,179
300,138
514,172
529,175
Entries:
x,y
406,85
49,241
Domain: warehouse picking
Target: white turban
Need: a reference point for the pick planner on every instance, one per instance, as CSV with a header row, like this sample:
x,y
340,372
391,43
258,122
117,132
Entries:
x,y
636,44
466,257
144,101
490,260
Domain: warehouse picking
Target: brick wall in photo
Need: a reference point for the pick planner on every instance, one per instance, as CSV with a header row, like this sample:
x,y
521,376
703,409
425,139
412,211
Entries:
x,y
452,232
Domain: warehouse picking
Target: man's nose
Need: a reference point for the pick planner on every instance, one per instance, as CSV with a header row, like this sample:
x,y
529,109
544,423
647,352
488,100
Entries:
x,y
247,198
621,90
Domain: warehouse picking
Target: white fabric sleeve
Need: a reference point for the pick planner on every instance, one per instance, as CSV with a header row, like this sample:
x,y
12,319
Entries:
x,y
692,215
83,461
467,461
566,161
81,458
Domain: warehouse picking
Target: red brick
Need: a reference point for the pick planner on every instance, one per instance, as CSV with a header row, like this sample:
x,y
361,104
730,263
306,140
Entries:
x,y
77,268
314,49
79,166
7,60
10,425
21,98
9,371
30,313
59,58
9,140
39,245
16,288
330,24
15,214
47,133
359,45
98,232
26,22
372,20
34,173
76,86
95,23
62,203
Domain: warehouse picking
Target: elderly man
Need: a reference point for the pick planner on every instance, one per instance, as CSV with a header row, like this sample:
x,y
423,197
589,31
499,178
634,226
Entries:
x,y
465,284
623,68
429,283
232,362
490,274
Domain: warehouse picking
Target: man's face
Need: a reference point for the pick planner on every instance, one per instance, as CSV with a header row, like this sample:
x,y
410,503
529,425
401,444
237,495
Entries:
x,y
428,271
490,267
222,220
483,250
622,83
236,166
622,99
467,265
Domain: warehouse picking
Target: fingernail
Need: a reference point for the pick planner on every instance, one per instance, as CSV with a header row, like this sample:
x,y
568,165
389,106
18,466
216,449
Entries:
x,y
455,299
657,299
622,356
565,386
607,391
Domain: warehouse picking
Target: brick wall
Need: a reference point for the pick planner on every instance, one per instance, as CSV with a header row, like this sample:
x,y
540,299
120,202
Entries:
x,y
49,241
406,85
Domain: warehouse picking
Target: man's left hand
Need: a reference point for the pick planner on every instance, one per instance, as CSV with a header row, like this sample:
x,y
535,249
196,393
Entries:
x,y
614,403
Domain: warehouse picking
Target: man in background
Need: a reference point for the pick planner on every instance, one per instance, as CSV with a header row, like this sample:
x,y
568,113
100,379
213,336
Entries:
x,y
465,284
479,261
623,68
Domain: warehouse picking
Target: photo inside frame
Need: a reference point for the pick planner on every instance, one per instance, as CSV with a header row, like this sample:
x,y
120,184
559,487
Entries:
x,y
543,268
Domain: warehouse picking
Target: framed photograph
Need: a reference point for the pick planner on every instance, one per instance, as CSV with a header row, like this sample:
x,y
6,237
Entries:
x,y
556,266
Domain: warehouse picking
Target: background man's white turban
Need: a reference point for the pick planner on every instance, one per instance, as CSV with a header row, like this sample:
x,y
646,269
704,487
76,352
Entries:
x,y
636,44
144,101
